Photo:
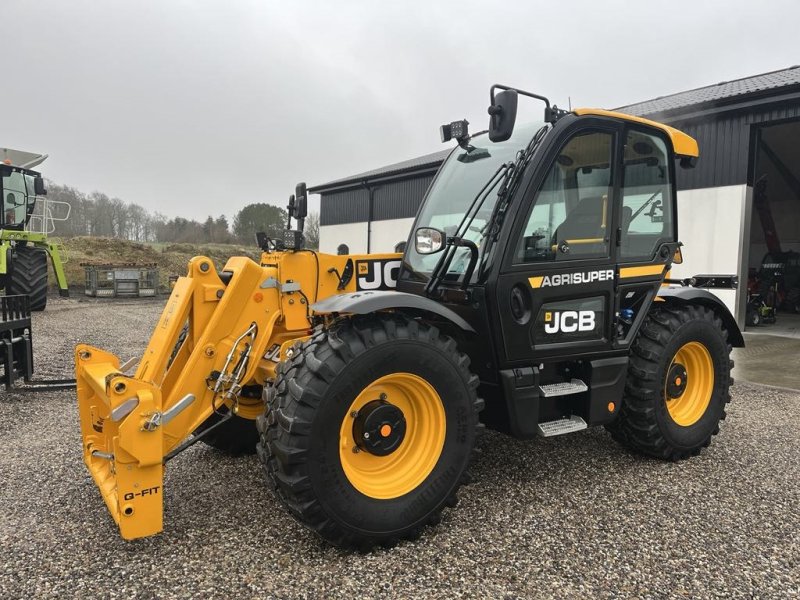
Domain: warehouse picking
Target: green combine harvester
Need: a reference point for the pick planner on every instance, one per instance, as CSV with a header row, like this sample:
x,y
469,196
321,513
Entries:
x,y
25,221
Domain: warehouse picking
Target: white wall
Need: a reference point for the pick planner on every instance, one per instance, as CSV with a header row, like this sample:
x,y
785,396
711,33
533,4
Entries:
x,y
352,234
384,236
713,226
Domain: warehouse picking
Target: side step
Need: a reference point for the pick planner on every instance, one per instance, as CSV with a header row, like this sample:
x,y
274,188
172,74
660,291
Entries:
x,y
561,426
576,386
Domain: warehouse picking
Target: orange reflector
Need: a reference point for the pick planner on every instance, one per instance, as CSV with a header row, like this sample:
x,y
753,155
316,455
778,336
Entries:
x,y
678,381
611,407
258,297
386,430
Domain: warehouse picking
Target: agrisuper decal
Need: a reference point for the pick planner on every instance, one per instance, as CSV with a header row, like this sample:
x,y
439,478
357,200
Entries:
x,y
375,274
559,279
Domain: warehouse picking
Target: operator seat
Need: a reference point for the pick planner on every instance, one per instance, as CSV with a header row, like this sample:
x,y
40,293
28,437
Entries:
x,y
585,222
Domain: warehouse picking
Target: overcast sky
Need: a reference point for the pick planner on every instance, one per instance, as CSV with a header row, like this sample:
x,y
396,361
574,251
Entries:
x,y
197,107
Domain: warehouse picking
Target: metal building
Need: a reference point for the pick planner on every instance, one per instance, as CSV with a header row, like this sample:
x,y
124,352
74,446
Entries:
x,y
373,211
738,209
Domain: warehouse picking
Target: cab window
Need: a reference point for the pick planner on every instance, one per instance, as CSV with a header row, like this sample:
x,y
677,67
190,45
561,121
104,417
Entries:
x,y
570,214
646,220
14,198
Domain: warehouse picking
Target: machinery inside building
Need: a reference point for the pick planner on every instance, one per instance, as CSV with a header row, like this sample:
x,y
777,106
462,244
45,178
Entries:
x,y
774,252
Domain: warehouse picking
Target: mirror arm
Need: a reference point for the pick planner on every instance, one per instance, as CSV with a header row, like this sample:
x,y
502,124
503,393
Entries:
x,y
519,91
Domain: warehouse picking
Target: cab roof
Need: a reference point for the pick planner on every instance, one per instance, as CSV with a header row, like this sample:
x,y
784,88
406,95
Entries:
x,y
20,158
682,144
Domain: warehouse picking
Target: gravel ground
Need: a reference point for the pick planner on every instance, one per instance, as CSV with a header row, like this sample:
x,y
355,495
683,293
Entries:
x,y
564,517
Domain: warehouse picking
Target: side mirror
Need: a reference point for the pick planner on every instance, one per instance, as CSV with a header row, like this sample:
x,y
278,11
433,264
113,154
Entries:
x,y
502,115
428,240
301,201
38,186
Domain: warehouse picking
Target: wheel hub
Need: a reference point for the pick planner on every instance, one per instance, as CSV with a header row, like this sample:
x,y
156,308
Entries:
x,y
379,428
676,380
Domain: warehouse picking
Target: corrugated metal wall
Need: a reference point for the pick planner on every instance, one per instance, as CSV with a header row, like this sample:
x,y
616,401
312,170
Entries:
x,y
392,200
400,199
350,206
725,145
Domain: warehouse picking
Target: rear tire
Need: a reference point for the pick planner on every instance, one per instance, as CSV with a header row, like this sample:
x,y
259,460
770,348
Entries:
x,y
309,456
29,275
658,417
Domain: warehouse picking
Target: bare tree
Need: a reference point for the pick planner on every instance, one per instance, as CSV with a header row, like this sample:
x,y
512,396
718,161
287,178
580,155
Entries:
x,y
312,231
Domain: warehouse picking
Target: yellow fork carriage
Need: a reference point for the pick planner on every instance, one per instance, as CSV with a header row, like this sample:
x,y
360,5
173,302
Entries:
x,y
218,334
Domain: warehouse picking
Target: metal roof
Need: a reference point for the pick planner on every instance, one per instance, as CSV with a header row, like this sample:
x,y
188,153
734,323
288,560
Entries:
x,y
421,163
720,93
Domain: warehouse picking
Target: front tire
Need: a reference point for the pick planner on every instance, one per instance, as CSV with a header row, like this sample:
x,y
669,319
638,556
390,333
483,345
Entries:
x,y
678,383
29,275
396,378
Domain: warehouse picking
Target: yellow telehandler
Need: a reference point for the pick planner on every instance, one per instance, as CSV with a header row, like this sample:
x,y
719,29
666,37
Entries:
x,y
534,290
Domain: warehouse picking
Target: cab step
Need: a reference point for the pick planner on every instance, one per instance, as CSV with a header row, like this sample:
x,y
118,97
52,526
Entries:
x,y
561,426
576,386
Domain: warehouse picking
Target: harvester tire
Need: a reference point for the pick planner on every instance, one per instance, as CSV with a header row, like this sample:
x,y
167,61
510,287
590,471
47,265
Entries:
x,y
359,376
29,275
678,383
236,437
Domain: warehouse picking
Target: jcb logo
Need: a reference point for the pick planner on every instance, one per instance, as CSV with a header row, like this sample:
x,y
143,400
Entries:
x,y
569,321
377,274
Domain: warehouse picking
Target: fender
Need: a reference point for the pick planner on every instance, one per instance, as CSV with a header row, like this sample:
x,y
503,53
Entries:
x,y
361,303
688,295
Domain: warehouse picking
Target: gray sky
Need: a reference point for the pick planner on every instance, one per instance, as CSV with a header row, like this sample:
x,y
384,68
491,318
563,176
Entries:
x,y
197,107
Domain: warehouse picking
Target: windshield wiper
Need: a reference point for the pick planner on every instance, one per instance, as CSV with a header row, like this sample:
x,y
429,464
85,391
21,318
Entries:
x,y
452,243
491,230
507,176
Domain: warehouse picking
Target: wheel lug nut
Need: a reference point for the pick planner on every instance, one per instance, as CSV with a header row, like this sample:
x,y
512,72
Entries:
x,y
366,435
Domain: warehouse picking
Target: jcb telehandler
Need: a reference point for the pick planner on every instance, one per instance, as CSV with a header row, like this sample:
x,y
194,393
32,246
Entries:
x,y
23,252
536,280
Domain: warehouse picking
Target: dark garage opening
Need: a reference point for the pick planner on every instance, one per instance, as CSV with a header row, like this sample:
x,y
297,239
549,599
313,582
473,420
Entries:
x,y
774,253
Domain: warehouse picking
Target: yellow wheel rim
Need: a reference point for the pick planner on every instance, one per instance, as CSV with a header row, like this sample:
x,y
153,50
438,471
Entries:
x,y
690,384
404,469
249,408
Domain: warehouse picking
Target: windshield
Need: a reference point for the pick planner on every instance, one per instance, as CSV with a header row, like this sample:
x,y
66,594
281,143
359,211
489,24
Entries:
x,y
460,179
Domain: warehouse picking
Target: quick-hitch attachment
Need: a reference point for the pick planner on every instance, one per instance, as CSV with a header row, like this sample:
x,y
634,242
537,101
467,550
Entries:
x,y
124,458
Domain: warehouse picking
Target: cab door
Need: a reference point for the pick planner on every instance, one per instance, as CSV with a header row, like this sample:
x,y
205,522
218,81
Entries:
x,y
556,289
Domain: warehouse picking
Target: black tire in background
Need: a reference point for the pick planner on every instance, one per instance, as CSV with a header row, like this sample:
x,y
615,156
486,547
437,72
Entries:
x,y
29,275
309,405
644,423
237,436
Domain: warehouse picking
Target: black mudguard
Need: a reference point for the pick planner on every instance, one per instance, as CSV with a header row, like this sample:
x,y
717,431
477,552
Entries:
x,y
361,303
693,295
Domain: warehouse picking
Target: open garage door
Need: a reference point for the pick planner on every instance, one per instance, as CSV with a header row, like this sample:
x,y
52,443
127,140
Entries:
x,y
774,253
